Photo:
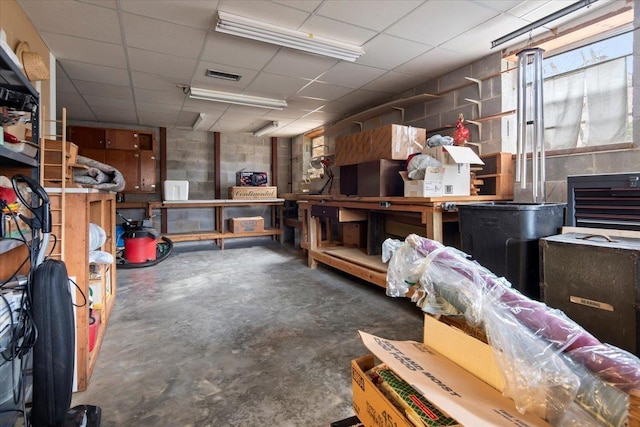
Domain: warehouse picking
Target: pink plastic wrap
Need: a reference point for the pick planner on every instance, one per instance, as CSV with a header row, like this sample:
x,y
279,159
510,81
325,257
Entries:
x,y
550,363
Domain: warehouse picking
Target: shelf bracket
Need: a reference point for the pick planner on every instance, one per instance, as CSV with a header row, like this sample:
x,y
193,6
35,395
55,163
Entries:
x,y
479,83
478,103
359,124
401,113
479,124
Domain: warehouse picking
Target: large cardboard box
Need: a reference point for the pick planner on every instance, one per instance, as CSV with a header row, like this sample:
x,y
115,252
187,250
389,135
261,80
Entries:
x,y
449,387
457,163
251,193
431,186
470,353
391,142
246,224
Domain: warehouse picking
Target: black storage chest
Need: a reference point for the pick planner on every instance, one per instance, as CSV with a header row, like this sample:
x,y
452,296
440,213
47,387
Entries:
x,y
595,280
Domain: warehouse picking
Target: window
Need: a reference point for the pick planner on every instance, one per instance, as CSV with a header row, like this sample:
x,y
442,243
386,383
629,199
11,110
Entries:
x,y
318,152
588,95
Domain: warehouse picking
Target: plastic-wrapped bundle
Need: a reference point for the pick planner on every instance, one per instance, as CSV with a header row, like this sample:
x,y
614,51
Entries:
x,y
548,360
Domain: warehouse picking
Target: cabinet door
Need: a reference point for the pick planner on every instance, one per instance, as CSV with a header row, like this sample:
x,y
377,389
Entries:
x,y
87,137
147,171
122,139
128,163
93,153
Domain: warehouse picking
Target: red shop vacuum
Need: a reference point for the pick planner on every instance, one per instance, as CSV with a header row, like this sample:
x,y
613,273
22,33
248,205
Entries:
x,y
143,246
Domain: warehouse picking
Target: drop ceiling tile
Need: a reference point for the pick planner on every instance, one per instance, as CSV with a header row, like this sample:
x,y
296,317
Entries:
x,y
435,62
394,82
164,37
351,75
94,73
288,114
157,63
289,62
275,86
476,41
452,21
84,50
105,90
115,115
151,107
201,79
303,103
324,91
195,13
337,30
174,96
64,85
115,103
67,99
155,81
502,5
322,116
388,52
78,112
367,15
363,97
339,108
266,11
204,106
157,119
237,51
306,5
111,4
75,19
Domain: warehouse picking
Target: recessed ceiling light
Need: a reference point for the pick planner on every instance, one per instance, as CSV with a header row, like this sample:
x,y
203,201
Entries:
x,y
222,75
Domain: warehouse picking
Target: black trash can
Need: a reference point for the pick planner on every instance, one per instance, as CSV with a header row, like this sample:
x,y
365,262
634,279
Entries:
x,y
503,237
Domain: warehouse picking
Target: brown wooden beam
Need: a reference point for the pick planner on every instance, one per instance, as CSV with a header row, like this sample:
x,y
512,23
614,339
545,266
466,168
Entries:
x,y
163,176
274,161
216,164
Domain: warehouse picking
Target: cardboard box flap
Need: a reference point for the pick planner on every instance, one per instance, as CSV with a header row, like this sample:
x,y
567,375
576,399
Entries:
x,y
463,155
463,396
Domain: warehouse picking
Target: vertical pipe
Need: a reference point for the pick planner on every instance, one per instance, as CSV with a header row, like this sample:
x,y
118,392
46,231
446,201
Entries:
x,y
534,124
540,125
521,156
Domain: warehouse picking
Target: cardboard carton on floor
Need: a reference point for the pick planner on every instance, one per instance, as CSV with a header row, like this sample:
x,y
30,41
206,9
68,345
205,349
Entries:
x,y
453,390
246,224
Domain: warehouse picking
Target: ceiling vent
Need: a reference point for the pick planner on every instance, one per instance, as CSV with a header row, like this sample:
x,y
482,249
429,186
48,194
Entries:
x,y
222,75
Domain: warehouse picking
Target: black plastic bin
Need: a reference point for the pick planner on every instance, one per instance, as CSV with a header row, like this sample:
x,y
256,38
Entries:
x,y
503,237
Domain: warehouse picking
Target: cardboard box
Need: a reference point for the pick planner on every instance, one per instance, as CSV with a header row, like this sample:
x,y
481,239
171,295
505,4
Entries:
x,y
431,186
457,163
354,234
390,142
449,387
251,179
251,193
369,403
465,350
246,224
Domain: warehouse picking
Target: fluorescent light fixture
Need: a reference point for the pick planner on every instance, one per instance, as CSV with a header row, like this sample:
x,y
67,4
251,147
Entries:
x,y
198,121
266,129
236,98
268,33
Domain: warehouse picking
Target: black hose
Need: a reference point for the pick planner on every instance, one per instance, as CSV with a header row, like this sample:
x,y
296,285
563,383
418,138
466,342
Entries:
x,y
161,255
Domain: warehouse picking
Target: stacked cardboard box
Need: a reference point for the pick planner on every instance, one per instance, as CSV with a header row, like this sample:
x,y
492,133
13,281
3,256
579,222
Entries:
x,y
370,160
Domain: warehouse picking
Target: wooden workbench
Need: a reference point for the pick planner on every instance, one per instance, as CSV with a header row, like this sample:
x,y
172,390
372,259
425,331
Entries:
x,y
221,231
430,212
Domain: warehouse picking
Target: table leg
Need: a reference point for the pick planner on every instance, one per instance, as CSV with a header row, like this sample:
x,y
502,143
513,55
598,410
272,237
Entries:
x,y
434,224
314,229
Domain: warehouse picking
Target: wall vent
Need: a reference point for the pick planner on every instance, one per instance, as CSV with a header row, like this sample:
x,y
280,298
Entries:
x,y
222,75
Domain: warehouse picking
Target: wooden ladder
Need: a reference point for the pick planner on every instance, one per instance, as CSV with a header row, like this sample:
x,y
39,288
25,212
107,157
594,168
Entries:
x,y
54,174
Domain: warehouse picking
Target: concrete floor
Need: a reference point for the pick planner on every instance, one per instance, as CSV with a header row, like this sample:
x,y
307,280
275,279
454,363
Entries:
x,y
248,336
